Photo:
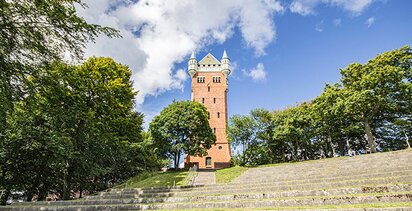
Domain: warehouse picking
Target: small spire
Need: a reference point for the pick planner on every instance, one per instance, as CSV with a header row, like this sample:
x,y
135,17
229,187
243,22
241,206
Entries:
x,y
193,55
224,55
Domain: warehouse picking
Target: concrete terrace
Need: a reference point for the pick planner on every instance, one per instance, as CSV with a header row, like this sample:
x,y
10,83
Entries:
x,y
381,181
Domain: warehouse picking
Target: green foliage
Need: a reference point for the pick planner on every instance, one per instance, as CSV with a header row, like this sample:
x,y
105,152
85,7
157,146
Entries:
x,y
369,110
33,33
376,90
182,127
251,133
76,131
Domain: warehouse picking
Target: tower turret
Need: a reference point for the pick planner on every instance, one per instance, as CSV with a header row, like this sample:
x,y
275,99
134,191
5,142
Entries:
x,y
192,69
225,64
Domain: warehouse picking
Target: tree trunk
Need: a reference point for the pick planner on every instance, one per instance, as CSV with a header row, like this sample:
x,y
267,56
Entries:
x,y
331,146
370,138
175,161
178,160
29,195
5,196
407,139
66,188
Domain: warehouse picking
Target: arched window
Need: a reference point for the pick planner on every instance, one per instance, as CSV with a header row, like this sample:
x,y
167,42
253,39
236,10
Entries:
x,y
208,161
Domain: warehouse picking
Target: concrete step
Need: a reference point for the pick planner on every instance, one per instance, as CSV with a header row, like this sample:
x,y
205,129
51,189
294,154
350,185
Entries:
x,y
131,199
251,178
205,178
273,186
277,202
381,180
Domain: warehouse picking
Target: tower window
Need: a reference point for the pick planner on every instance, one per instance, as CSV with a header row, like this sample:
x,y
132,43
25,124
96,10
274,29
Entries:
x,y
214,130
216,79
208,115
208,88
218,114
201,79
208,161
214,100
203,100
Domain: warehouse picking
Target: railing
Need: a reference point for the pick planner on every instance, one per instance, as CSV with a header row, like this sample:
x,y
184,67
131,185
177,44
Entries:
x,y
191,176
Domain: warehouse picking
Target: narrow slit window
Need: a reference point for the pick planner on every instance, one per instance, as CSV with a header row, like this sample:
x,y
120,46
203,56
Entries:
x,y
214,130
214,100
218,114
203,100
208,88
208,115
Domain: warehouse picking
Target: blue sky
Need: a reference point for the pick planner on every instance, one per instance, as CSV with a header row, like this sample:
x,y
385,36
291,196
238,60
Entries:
x,y
295,47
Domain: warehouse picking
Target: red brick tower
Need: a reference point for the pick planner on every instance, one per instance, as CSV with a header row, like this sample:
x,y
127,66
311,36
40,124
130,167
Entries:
x,y
210,87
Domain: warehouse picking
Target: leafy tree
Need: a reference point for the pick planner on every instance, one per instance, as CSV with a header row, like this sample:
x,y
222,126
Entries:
x,y
33,33
293,130
373,89
333,125
76,131
252,133
182,127
242,132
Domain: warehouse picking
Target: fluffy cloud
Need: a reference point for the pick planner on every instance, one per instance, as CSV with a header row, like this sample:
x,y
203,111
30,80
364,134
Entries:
x,y
257,74
307,7
370,21
158,34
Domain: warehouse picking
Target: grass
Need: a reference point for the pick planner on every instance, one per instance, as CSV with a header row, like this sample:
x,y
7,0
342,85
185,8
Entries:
x,y
156,179
229,174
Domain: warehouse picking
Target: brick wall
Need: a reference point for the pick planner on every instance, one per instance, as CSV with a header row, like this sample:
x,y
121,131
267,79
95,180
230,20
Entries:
x,y
214,97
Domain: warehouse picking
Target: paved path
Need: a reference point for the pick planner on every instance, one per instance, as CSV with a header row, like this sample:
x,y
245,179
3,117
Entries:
x,y
205,177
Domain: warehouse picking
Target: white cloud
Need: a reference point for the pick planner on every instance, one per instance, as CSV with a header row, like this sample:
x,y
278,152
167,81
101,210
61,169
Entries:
x,y
258,73
303,7
337,22
370,21
159,34
319,26
307,7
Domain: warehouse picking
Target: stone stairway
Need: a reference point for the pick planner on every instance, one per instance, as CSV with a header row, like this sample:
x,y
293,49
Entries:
x,y
381,181
205,177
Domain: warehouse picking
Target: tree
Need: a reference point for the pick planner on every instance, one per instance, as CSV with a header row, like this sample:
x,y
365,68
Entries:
x,y
333,125
252,133
33,33
76,131
373,89
242,132
182,127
